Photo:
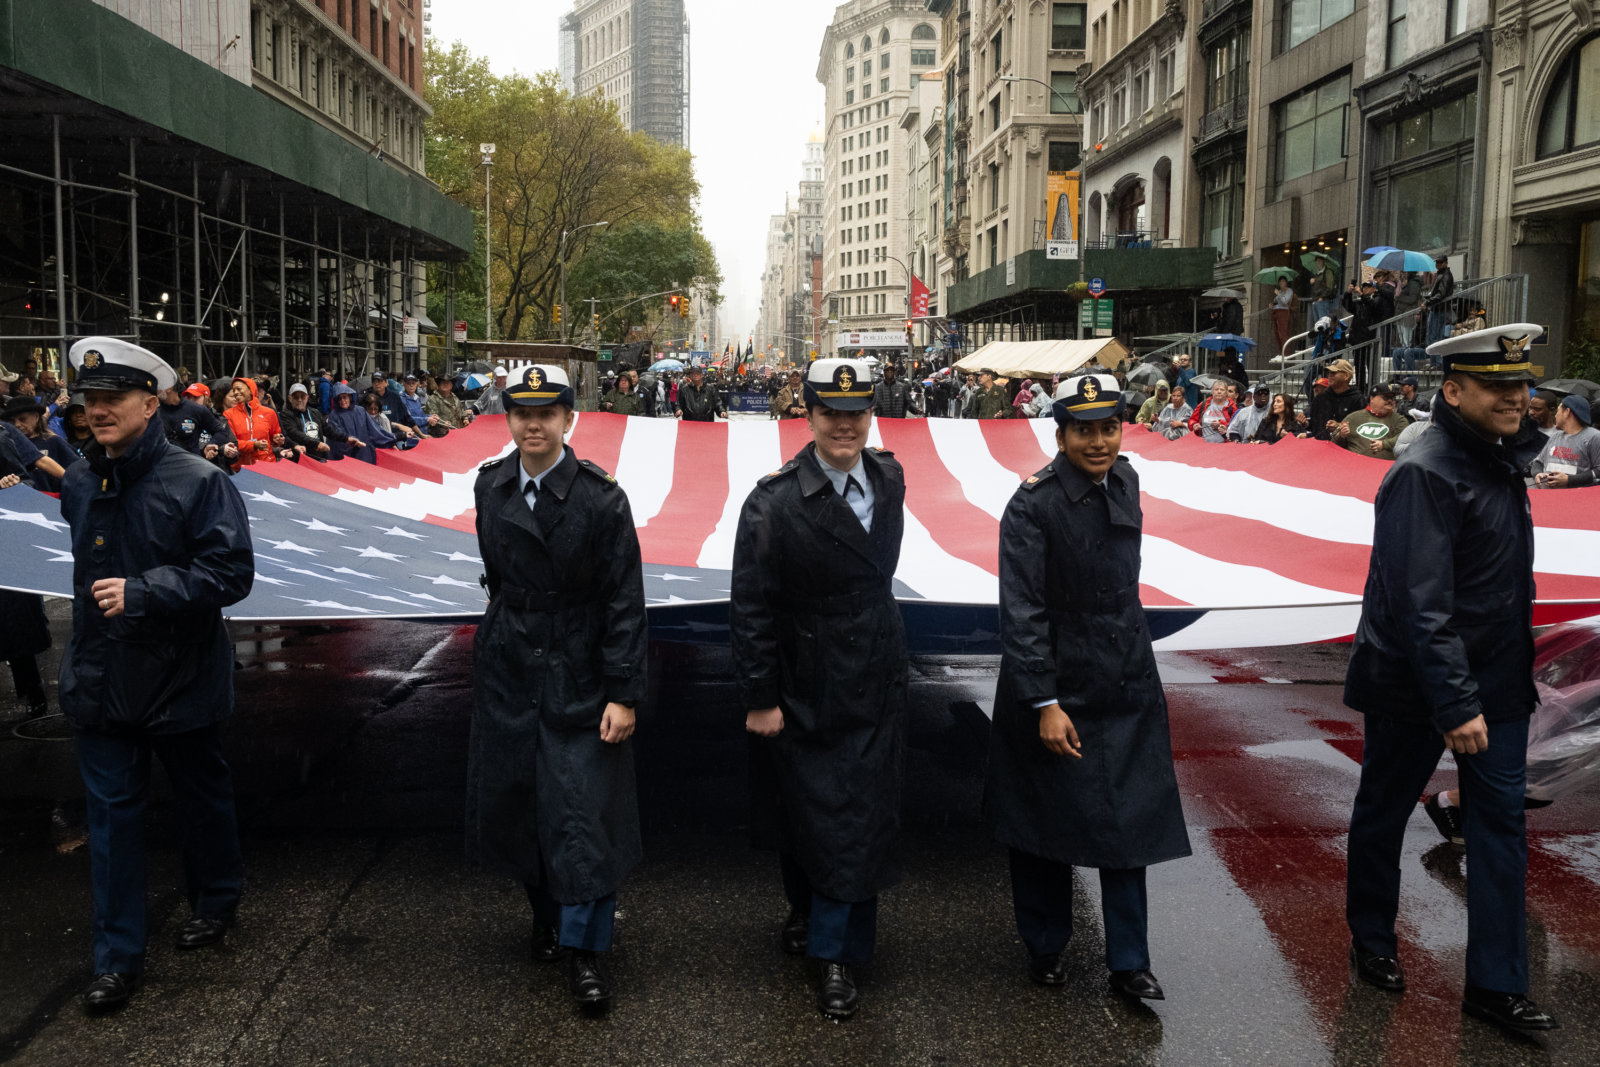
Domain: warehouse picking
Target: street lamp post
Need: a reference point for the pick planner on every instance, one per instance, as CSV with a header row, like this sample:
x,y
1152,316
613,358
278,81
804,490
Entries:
x,y
488,296
561,257
907,268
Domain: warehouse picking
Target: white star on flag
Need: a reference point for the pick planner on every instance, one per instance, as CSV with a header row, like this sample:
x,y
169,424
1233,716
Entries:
x,y
434,599
373,553
674,577
308,574
458,557
268,498
318,526
35,517
395,531
347,570
290,546
58,555
390,599
272,581
445,579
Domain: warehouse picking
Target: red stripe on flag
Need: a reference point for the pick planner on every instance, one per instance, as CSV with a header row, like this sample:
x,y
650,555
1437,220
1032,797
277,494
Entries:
x,y
1306,464
1014,446
934,496
598,438
699,493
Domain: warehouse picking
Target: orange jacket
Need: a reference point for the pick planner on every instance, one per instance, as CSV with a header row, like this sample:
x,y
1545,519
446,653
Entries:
x,y
255,427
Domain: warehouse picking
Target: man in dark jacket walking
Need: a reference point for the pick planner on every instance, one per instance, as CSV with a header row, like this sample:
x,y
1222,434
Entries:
x,y
821,654
160,545
1080,760
891,398
699,401
1443,658
558,669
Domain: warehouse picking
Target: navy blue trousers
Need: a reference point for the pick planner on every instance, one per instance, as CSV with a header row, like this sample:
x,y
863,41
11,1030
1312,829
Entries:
x,y
841,931
1396,763
587,926
1041,891
116,779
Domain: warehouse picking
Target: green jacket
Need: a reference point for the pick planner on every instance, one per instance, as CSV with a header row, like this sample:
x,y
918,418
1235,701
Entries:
x,y
991,403
450,410
621,403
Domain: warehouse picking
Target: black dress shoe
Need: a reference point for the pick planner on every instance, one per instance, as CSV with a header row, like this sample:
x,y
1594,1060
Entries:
x,y
198,933
838,998
1141,985
546,946
1048,969
108,992
1509,1011
796,931
1446,820
587,981
1381,971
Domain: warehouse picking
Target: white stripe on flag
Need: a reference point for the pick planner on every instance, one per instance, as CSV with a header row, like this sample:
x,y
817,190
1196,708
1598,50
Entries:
x,y
1557,551
420,497
753,453
1197,579
646,467
961,447
1308,512
1260,627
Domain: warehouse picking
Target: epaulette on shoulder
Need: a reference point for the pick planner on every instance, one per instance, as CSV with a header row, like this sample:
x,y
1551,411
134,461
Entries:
x,y
787,468
490,464
598,471
883,452
1033,481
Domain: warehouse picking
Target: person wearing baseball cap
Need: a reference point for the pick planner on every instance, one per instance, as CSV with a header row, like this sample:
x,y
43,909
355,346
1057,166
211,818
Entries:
x,y
1571,455
1341,400
1443,658
821,658
1080,723
1373,430
160,545
558,669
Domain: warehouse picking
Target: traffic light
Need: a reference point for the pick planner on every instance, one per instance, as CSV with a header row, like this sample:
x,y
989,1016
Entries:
x,y
558,315
909,324
683,309
597,324
673,302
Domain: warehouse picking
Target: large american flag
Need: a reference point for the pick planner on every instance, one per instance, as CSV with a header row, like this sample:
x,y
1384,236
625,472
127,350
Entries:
x,y
1244,545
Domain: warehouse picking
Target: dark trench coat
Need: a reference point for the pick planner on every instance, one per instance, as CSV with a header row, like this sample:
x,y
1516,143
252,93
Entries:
x,y
564,634
1080,636
816,632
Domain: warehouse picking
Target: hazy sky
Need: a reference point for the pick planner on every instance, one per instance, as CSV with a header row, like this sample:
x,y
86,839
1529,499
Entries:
x,y
754,97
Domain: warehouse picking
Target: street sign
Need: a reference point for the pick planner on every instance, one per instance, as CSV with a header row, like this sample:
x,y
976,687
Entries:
x,y
604,356
408,334
1096,314
1061,250
1097,287
461,332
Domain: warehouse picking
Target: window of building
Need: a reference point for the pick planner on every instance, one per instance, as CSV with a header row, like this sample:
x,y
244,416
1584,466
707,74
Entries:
x,y
1222,206
849,96
1164,77
866,69
1064,156
994,50
924,32
1228,70
883,85
339,13
883,61
1139,94
1397,32
849,75
849,50
1309,130
1571,116
372,31
1301,20
1455,19
994,113
1119,108
883,38
385,42
994,246
994,187
1064,93
1422,175
866,44
1066,26
923,57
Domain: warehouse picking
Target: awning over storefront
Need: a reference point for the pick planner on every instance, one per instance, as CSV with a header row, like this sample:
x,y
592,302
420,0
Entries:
x,y
1041,359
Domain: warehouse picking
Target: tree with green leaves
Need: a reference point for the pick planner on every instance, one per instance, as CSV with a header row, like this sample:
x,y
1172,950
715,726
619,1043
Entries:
x,y
642,258
562,163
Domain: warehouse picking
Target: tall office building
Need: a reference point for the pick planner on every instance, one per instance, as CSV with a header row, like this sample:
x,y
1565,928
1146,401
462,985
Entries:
x,y
635,53
872,59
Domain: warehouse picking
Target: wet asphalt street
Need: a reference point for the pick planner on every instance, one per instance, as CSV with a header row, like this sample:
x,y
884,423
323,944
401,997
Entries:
x,y
364,938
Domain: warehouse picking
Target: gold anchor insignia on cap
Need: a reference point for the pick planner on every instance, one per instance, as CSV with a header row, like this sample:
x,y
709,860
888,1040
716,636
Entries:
x,y
1513,346
91,359
1090,390
847,380
535,379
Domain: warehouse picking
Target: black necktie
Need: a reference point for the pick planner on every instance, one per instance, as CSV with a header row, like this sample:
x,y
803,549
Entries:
x,y
530,492
851,483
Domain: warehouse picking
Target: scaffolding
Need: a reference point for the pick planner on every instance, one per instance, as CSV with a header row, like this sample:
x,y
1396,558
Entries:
x,y
661,70
116,227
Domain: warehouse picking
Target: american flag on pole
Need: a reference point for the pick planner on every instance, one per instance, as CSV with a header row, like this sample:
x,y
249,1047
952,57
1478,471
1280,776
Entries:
x,y
1243,545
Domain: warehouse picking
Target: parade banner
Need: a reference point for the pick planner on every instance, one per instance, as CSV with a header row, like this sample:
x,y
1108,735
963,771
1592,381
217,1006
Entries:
x,y
1243,546
1061,205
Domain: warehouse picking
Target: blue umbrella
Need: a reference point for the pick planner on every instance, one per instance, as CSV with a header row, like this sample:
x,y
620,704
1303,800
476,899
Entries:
x,y
1218,341
666,364
1378,250
475,381
1399,259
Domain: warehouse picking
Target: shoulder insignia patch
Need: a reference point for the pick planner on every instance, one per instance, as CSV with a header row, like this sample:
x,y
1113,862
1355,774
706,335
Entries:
x,y
598,471
1033,481
491,464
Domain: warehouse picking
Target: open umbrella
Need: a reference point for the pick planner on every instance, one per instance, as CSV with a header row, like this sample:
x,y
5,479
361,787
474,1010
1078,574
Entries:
x,y
1223,294
1567,386
1219,341
1146,374
1400,259
667,364
1203,382
1270,275
1378,250
475,381
1320,261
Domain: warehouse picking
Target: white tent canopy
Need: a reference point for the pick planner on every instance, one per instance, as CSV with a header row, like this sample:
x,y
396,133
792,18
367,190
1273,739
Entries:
x,y
1041,359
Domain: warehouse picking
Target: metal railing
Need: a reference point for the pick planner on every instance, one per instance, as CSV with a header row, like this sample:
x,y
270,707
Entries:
x,y
1225,117
1125,239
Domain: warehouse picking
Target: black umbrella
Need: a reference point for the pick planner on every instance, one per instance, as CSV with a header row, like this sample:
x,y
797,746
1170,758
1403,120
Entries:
x,y
1567,386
